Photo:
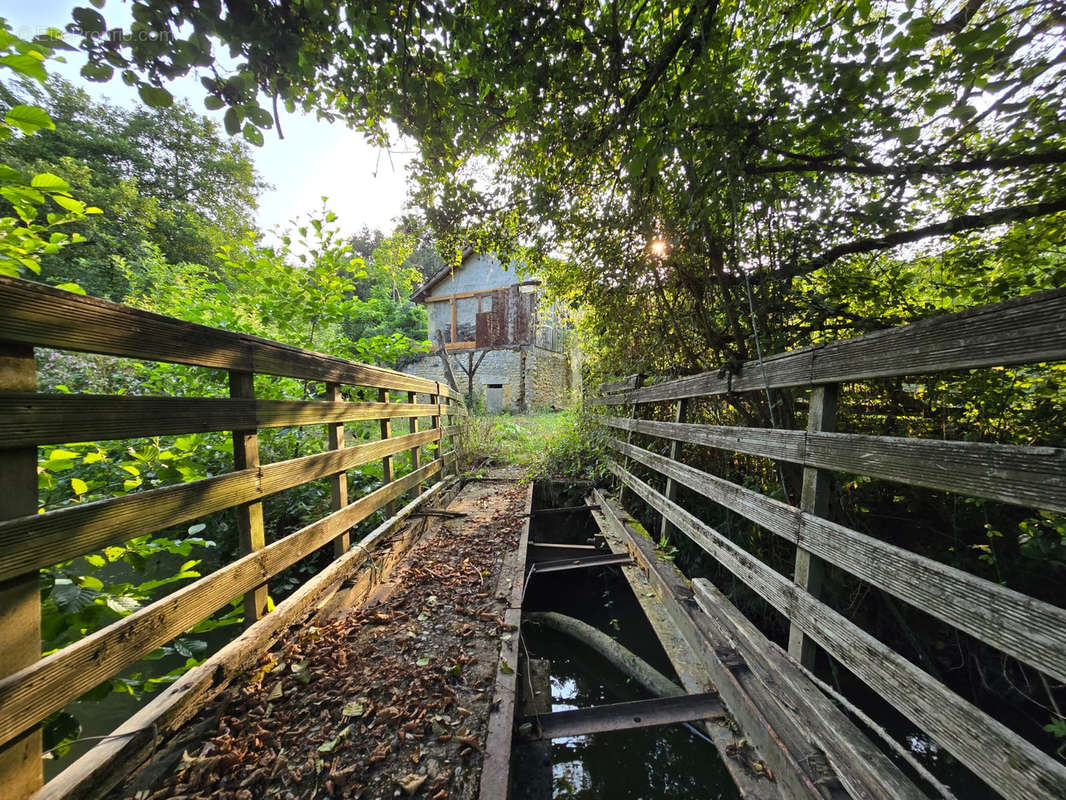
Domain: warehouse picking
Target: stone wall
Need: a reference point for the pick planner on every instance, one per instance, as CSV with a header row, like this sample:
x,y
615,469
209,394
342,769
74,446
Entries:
x,y
499,366
547,378
531,377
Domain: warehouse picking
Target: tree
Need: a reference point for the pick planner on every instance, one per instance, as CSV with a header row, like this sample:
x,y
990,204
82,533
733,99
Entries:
x,y
385,285
762,142
41,207
170,184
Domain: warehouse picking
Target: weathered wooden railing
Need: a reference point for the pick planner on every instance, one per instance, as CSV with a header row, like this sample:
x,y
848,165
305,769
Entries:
x,y
1024,331
33,315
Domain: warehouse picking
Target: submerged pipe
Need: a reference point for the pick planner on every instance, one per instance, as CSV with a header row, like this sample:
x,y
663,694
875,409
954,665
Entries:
x,y
625,661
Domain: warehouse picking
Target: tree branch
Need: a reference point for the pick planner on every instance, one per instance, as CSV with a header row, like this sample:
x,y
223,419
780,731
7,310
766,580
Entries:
x,y
967,222
960,20
948,168
658,68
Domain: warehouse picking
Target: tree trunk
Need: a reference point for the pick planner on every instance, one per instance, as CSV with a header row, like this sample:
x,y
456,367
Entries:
x,y
443,353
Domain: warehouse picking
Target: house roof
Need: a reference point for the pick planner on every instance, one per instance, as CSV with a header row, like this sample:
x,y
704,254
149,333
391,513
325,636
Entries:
x,y
423,291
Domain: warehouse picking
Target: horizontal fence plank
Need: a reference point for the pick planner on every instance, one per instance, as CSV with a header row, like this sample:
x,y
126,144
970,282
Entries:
x,y
40,315
1027,330
1008,763
1027,476
618,385
40,540
28,696
27,419
1021,626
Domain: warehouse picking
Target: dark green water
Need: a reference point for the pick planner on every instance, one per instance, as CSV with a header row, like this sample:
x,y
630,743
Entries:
x,y
663,762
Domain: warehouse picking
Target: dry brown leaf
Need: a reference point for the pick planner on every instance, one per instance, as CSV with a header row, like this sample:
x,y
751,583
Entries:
x,y
412,783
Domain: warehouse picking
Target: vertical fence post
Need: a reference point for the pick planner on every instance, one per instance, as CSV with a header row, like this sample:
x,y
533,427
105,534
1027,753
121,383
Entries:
x,y
675,450
814,499
415,452
250,532
634,412
386,462
338,482
20,597
435,423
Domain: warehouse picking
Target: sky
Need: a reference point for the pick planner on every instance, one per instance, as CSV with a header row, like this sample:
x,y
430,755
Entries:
x,y
365,186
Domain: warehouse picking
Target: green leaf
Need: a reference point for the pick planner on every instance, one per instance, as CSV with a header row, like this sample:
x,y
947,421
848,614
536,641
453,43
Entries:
x,y
69,203
124,605
71,598
328,747
97,73
29,119
59,730
190,648
155,96
909,135
212,103
26,64
232,121
353,709
73,287
79,486
60,454
89,20
252,134
422,661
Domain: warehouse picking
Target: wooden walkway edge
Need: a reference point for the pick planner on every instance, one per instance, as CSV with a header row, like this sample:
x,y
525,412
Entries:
x,y
810,746
496,769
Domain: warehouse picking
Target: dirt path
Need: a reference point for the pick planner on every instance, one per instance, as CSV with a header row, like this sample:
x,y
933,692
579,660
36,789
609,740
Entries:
x,y
390,698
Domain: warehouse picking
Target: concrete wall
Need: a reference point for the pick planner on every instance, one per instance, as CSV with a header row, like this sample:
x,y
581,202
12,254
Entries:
x,y
500,366
477,274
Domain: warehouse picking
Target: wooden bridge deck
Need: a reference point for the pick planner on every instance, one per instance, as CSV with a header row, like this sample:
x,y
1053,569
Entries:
x,y
388,685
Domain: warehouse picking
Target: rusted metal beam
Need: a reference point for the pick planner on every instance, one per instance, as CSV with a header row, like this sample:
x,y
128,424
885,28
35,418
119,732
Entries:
x,y
560,510
564,564
624,716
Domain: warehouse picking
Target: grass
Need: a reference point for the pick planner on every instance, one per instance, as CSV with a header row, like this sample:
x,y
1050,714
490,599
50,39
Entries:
x,y
548,443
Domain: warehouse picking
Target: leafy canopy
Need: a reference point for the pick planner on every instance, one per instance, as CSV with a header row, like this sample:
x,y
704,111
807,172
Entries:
x,y
770,140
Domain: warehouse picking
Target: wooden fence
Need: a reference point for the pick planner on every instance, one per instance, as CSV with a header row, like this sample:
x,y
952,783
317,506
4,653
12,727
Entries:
x,y
1025,331
33,315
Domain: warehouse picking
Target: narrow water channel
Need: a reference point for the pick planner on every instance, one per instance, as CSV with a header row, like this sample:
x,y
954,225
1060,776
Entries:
x,y
664,762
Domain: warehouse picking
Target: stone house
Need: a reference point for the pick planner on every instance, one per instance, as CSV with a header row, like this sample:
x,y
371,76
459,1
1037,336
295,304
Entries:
x,y
494,323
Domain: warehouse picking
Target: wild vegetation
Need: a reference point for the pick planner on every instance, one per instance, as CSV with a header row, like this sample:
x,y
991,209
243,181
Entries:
x,y
560,444
704,183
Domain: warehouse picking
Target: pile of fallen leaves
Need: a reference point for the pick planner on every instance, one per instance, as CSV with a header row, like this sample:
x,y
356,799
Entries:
x,y
389,699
